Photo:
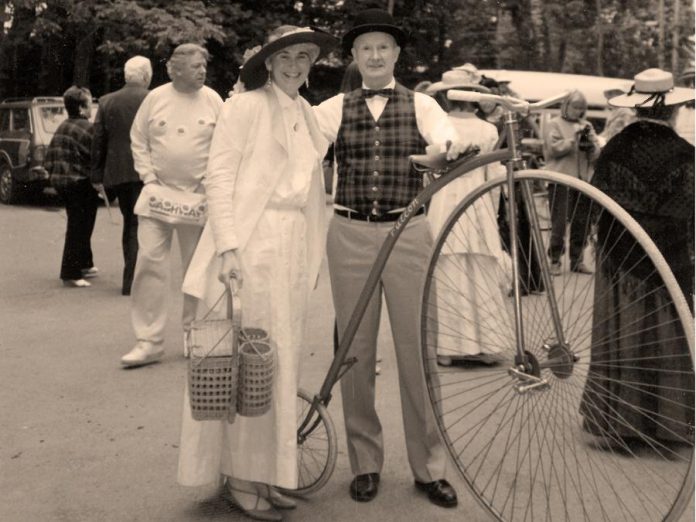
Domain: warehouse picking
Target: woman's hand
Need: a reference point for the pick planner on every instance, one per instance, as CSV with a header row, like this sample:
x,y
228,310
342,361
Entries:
x,y
230,268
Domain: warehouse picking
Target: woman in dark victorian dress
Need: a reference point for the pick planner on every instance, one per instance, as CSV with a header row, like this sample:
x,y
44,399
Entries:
x,y
640,384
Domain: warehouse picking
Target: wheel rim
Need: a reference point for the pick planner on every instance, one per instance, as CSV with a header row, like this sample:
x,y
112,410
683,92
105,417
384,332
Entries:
x,y
589,446
316,447
5,184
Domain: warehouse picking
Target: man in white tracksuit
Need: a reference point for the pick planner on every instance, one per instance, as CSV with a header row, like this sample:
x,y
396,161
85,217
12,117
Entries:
x,y
170,139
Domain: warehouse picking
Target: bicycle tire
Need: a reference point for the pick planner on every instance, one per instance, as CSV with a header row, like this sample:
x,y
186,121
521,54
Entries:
x,y
584,448
317,447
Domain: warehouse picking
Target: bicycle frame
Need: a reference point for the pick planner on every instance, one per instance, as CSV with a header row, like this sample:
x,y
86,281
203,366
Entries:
x,y
523,368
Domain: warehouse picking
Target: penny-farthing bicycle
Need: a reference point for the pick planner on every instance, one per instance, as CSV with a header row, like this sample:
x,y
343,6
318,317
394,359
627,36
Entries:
x,y
588,413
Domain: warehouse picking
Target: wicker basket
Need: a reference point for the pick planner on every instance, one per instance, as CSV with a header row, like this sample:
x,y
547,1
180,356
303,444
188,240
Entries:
x,y
256,372
213,366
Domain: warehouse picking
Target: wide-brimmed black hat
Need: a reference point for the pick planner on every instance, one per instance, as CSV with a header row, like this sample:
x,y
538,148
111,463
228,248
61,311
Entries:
x,y
254,74
370,21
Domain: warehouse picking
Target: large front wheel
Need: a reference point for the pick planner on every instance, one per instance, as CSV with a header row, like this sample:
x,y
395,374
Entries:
x,y
597,424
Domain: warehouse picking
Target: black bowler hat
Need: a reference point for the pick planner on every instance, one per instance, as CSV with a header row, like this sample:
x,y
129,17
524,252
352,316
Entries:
x,y
371,21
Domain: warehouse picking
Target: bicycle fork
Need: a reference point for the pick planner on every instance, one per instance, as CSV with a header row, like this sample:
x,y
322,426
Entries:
x,y
527,369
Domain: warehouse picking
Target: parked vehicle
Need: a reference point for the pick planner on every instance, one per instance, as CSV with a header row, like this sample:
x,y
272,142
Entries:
x,y
536,85
26,128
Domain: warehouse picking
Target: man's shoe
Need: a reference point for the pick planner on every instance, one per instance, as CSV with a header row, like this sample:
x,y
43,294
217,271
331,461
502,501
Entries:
x,y
444,360
143,353
364,487
556,268
581,268
440,492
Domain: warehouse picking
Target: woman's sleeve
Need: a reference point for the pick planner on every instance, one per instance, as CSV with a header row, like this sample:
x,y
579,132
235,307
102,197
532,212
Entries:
x,y
555,144
224,159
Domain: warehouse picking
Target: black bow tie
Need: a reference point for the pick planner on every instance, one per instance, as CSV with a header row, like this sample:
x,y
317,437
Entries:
x,y
369,93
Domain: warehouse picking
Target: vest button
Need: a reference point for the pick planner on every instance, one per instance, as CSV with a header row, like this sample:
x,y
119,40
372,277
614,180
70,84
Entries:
x,y
376,157
374,212
374,189
375,173
377,128
376,143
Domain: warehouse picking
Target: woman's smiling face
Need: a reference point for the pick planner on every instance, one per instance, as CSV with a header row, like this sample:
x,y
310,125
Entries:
x,y
289,67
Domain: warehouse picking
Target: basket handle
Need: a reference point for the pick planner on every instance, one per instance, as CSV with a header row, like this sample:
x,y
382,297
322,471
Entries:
x,y
234,303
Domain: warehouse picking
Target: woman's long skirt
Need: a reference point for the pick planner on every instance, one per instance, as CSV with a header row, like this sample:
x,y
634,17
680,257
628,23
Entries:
x,y
274,297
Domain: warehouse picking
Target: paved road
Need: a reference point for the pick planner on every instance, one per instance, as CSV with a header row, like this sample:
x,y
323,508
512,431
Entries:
x,y
83,440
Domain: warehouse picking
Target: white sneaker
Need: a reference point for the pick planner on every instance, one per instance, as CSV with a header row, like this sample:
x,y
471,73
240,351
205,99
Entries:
x,y
76,283
144,352
90,272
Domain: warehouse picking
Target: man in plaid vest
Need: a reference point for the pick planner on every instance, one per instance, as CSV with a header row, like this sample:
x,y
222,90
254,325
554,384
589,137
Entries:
x,y
374,130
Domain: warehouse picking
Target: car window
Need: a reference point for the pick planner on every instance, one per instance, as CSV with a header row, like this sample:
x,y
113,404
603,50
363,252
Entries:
x,y
20,120
51,116
4,119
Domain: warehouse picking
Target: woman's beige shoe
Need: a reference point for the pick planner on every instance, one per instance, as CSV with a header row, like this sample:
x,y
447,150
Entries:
x,y
275,497
255,513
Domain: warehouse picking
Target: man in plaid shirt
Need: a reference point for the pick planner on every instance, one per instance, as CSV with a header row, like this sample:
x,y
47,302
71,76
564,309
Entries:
x,y
374,130
68,162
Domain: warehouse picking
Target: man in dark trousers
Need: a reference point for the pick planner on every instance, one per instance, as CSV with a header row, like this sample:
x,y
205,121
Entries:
x,y
112,160
374,129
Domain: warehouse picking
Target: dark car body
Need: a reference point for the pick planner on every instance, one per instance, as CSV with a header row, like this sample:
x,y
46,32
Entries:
x,y
26,129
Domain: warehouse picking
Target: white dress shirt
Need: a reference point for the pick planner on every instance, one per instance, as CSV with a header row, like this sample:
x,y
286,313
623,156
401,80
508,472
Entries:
x,y
432,121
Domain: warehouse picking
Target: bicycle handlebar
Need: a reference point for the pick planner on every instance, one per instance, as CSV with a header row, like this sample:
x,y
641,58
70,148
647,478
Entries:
x,y
510,103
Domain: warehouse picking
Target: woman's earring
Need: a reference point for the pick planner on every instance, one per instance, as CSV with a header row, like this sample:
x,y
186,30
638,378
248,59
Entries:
x,y
269,78
306,82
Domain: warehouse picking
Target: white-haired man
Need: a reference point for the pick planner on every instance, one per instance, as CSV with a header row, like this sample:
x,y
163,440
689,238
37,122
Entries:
x,y
112,160
170,139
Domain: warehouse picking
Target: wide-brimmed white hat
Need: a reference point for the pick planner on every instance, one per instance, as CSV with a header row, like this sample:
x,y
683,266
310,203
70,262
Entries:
x,y
254,74
653,87
457,79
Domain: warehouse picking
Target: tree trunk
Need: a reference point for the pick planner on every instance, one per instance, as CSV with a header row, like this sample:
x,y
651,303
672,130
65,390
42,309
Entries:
x,y
84,52
599,68
661,34
675,38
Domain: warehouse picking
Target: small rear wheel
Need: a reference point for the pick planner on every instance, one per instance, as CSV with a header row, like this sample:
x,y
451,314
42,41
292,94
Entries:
x,y
316,446
597,425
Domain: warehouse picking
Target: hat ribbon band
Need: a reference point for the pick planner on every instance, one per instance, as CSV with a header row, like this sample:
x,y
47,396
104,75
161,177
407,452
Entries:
x,y
657,97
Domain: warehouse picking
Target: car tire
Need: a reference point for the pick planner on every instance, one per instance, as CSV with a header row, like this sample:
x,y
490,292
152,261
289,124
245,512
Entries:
x,y
9,188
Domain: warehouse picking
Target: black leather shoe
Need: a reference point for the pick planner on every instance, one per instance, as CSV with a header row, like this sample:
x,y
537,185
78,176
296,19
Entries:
x,y
364,487
439,492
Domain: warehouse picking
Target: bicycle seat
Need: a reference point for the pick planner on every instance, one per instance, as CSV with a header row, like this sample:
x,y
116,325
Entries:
x,y
439,161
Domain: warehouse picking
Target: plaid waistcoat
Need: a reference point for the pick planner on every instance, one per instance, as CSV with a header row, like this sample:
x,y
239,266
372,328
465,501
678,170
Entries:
x,y
374,175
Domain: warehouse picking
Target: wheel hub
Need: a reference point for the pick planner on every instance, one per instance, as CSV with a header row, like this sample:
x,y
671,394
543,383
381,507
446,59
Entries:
x,y
561,360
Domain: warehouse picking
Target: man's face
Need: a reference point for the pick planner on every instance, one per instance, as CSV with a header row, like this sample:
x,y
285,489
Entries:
x,y
376,55
189,74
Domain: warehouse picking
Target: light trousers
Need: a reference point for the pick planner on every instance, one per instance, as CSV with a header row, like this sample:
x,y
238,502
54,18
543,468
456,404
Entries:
x,y
149,293
352,248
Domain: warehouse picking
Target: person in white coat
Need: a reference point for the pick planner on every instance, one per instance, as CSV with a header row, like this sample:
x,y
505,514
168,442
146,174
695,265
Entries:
x,y
473,260
265,229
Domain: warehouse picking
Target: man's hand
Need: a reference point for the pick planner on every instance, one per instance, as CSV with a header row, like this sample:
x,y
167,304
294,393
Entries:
x,y
231,268
458,148
99,187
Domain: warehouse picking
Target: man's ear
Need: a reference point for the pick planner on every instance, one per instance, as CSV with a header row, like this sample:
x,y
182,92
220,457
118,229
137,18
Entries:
x,y
353,53
398,52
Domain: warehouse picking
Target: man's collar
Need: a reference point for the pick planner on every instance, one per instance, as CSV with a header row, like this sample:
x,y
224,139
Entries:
x,y
390,85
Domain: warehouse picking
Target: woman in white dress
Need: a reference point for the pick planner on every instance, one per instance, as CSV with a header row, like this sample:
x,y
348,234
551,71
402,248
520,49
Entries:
x,y
473,260
266,229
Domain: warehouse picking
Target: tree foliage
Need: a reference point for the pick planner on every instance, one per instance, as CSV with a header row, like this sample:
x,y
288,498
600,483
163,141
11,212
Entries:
x,y
47,45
